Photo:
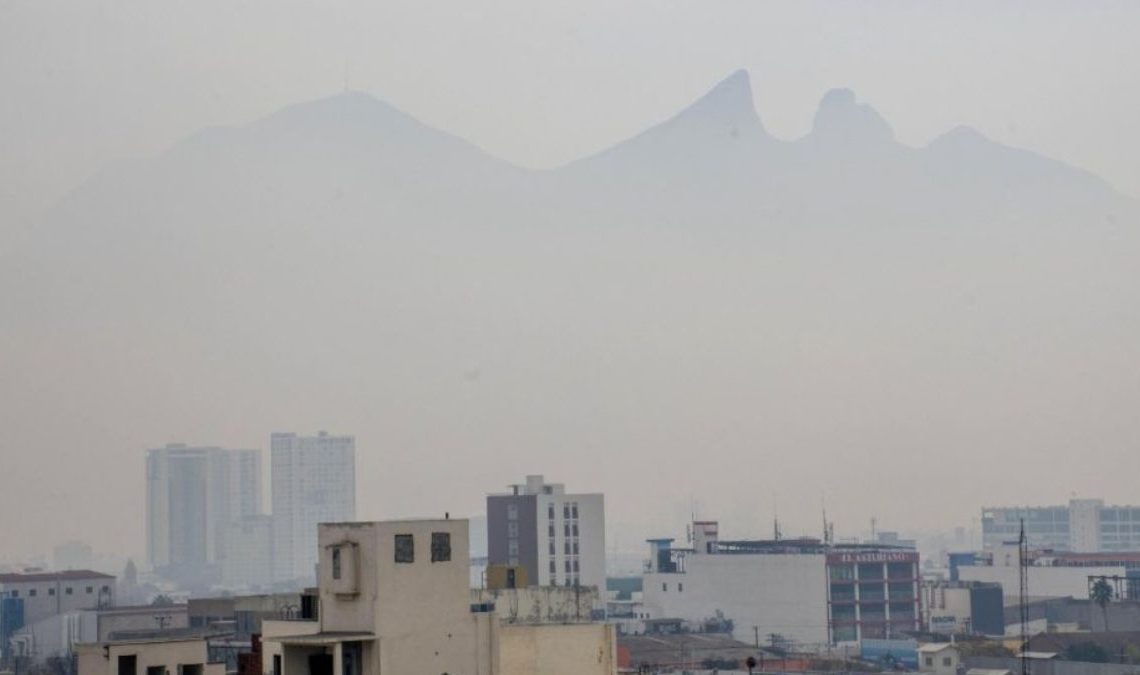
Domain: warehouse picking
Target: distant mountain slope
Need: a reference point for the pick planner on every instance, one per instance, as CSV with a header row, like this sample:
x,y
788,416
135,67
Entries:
x,y
839,306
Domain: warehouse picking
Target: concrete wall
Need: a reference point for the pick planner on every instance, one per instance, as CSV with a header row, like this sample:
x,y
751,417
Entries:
x,y
59,596
1043,581
584,649
1053,666
498,526
540,604
97,659
141,618
779,593
55,636
420,611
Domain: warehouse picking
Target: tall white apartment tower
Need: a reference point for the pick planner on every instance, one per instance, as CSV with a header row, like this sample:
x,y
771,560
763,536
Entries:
x,y
193,495
559,538
314,481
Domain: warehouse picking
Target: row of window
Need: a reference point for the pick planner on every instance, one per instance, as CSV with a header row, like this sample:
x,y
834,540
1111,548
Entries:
x,y
68,590
665,587
440,547
568,530
872,571
571,566
569,547
569,511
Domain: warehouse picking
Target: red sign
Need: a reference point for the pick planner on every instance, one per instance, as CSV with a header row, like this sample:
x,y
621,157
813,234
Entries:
x,y
872,557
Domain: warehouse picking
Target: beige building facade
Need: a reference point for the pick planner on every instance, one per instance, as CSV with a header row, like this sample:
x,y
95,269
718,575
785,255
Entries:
x,y
395,598
163,656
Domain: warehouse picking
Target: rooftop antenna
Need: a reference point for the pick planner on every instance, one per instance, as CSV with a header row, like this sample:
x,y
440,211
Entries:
x,y
826,535
874,522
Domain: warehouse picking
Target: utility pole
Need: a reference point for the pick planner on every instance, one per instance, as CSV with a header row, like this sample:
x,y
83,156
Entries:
x,y
756,631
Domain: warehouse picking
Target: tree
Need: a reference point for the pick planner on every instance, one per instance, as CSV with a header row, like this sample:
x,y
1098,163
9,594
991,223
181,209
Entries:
x,y
162,601
1101,593
1089,652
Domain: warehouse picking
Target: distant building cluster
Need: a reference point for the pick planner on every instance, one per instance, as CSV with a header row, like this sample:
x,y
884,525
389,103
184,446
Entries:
x,y
205,521
1081,526
406,596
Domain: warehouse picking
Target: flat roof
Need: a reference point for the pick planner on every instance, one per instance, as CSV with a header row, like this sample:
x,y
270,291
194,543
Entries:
x,y
326,638
934,647
66,575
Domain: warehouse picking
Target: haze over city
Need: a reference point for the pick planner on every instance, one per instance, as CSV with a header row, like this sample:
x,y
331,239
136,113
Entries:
x,y
739,262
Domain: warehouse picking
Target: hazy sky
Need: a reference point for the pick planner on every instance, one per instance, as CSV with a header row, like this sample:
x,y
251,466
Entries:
x,y
85,84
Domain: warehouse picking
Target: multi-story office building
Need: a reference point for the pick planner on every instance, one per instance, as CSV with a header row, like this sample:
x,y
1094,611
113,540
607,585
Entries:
x,y
1084,526
314,481
193,494
248,561
559,538
804,590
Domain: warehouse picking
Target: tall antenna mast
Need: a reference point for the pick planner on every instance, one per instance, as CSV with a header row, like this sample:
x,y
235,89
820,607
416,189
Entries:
x,y
1023,595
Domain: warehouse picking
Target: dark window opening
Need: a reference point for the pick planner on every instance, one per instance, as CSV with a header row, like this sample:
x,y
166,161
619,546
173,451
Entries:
x,y
336,563
405,549
440,546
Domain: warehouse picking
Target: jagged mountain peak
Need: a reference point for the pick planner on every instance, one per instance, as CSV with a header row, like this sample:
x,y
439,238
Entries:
x,y
841,118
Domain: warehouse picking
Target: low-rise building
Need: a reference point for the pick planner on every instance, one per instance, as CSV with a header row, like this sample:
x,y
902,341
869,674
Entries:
x,y
963,607
1052,574
803,591
394,598
938,658
45,594
157,656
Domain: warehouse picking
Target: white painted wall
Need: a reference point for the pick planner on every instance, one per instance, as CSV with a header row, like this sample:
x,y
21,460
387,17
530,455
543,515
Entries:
x,y
1059,582
785,594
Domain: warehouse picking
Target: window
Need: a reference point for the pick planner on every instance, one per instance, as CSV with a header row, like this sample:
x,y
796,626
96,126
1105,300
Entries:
x,y
550,512
550,530
575,548
512,529
575,564
566,530
930,660
553,568
575,529
945,660
105,589
16,594
32,593
574,510
51,591
512,511
680,587
405,548
664,587
276,664
566,511
566,547
336,563
567,566
90,590
440,546
67,591
552,547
